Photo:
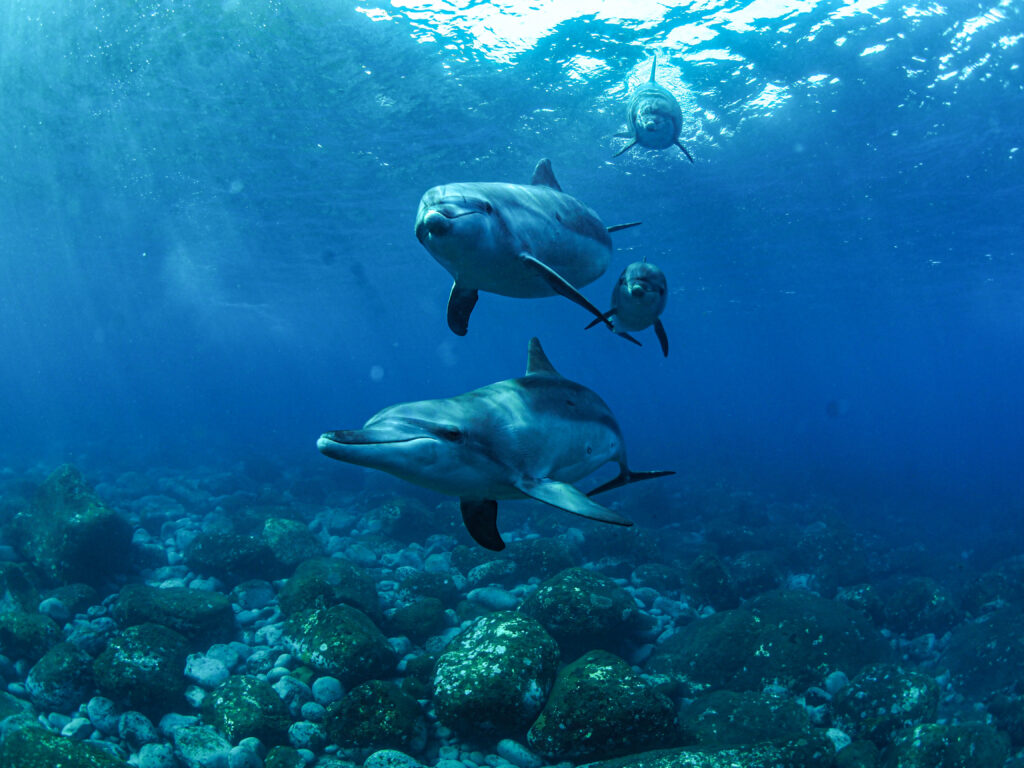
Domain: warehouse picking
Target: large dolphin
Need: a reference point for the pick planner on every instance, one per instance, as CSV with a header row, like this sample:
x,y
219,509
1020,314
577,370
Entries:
x,y
654,118
638,299
523,241
529,437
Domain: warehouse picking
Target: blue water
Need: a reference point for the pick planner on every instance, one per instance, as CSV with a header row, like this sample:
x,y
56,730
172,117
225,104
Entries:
x,y
206,245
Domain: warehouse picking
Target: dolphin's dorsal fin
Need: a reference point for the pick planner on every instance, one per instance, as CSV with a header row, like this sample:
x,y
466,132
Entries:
x,y
654,66
537,361
543,176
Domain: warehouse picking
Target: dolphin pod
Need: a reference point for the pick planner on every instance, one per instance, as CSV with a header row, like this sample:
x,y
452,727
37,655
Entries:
x,y
530,437
523,241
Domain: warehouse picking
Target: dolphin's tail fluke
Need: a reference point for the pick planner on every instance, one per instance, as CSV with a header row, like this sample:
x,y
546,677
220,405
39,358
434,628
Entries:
x,y
626,477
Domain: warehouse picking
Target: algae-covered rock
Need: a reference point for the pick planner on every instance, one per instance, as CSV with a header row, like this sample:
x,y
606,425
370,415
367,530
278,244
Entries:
x,y
232,557
200,746
883,699
419,619
290,542
376,715
599,708
61,679
712,584
987,655
971,745
790,637
143,667
813,752
727,718
494,676
340,641
328,581
68,534
27,635
583,611
244,706
17,589
922,605
36,748
11,706
201,616
284,757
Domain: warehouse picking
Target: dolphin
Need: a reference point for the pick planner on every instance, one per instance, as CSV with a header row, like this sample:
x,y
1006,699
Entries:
x,y
638,300
530,437
523,241
654,118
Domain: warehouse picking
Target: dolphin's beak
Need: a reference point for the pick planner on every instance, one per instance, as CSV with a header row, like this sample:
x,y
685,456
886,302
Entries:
x,y
433,222
636,289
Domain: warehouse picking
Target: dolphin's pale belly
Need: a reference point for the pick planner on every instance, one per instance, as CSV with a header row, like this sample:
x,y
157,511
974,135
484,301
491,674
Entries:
x,y
482,250
655,117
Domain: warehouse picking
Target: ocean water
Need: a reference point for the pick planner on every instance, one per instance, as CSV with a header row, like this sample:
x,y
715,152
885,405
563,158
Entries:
x,y
207,253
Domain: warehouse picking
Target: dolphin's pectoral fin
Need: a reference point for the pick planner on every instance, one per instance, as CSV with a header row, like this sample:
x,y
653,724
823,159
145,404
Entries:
x,y
685,151
627,337
460,306
481,519
543,176
659,329
559,284
625,149
620,227
565,496
625,135
626,477
602,319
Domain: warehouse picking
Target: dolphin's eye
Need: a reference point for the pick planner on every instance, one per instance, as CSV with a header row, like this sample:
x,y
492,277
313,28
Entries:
x,y
488,208
451,434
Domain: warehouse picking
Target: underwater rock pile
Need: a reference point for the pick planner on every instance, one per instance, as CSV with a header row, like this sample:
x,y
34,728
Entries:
x,y
206,620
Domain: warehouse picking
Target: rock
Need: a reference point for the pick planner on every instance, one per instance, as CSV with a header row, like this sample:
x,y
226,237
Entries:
x,y
12,706
543,557
61,679
35,748
328,581
415,584
986,655
137,729
247,706
922,605
231,557
157,756
17,590
493,598
583,611
794,638
391,758
201,616
27,635
858,754
77,597
242,756
254,594
290,542
304,734
883,699
712,584
757,571
206,672
327,690
865,598
200,746
727,718
376,715
340,641
418,620
971,745
91,636
143,667
68,534
599,708
493,572
815,752
495,675
284,757
518,755
103,715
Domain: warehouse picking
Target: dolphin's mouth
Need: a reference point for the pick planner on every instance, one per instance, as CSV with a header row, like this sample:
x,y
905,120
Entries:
x,y
436,222
359,437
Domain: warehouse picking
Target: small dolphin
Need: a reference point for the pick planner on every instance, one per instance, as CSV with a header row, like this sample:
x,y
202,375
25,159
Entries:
x,y
523,241
638,299
654,118
520,438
